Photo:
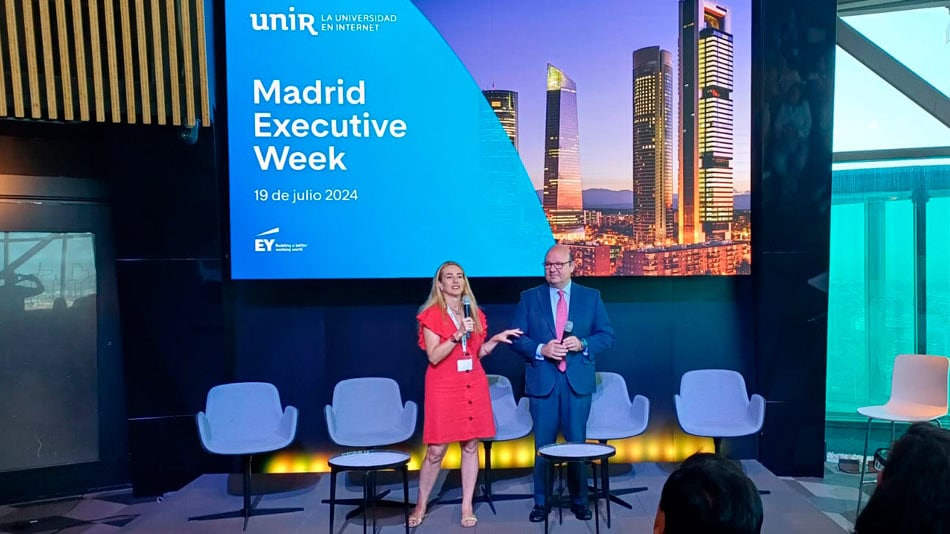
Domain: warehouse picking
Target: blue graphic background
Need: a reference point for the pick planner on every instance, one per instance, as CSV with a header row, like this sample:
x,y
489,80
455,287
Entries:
x,y
452,188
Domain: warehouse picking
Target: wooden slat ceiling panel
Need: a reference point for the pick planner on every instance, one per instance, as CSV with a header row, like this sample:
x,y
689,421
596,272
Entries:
x,y
149,62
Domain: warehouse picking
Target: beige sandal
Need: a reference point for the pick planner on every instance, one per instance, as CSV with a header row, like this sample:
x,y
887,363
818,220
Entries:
x,y
416,520
469,521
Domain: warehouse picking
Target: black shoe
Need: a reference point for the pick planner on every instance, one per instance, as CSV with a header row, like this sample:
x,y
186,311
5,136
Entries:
x,y
582,512
538,514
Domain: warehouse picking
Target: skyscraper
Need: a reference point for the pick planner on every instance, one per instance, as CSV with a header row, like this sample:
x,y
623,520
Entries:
x,y
652,146
505,105
706,121
562,199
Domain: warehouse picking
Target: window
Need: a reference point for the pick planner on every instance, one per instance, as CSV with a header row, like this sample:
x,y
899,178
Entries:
x,y
876,274
48,350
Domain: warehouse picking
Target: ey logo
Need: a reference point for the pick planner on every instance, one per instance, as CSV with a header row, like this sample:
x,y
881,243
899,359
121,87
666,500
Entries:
x,y
265,245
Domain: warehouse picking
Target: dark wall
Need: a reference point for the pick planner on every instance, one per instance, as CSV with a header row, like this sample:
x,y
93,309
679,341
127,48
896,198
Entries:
x,y
67,363
160,199
178,345
791,217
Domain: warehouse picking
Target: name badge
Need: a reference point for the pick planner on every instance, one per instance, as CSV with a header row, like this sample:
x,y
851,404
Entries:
x,y
464,364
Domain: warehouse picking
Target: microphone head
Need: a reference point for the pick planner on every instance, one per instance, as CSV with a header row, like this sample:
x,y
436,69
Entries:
x,y
568,327
466,300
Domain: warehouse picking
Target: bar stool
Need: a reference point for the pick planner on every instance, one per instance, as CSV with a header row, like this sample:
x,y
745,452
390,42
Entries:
x,y
918,393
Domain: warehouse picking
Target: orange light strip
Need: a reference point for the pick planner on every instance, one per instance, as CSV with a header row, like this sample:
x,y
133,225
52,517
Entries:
x,y
516,454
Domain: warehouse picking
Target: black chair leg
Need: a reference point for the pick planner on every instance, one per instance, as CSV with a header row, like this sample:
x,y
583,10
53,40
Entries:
x,y
560,495
613,495
248,509
374,500
405,494
366,494
603,468
486,489
605,484
548,490
332,496
373,504
247,491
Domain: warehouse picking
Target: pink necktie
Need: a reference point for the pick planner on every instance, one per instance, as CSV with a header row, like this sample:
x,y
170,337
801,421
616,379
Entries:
x,y
560,319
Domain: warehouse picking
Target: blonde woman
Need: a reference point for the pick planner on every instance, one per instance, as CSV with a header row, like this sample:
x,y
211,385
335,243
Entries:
x,y
457,402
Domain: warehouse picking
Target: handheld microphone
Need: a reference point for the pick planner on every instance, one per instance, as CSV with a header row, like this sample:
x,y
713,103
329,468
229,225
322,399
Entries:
x,y
568,329
467,310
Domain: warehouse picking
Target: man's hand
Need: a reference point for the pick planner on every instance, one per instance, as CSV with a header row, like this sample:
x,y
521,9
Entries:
x,y
554,350
573,344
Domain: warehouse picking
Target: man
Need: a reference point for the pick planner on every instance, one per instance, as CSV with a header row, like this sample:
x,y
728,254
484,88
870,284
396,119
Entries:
x,y
708,493
559,375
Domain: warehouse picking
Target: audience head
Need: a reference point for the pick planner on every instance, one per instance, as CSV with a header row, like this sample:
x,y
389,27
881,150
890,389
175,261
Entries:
x,y
913,491
709,494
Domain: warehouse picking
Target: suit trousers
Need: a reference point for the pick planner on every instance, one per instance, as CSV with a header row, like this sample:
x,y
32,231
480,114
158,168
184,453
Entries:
x,y
563,411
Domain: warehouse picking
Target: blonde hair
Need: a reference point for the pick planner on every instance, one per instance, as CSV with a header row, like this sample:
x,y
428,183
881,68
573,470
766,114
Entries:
x,y
435,294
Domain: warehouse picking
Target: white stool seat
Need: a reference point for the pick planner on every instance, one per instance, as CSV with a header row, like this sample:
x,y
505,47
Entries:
x,y
561,453
918,393
576,451
369,462
903,412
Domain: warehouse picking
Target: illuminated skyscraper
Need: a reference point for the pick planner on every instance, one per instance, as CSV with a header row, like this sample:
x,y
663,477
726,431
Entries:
x,y
652,146
706,121
505,105
562,200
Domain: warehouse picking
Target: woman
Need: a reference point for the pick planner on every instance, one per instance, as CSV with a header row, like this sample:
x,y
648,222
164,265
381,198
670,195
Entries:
x,y
457,402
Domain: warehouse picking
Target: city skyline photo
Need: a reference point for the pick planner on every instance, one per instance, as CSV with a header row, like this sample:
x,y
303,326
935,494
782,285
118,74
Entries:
x,y
632,121
507,46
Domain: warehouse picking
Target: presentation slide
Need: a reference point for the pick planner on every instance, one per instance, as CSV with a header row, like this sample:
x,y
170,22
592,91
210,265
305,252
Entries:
x,y
379,138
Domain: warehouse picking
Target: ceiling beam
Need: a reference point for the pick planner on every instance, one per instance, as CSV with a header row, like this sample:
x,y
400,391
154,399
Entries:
x,y
890,154
847,8
895,73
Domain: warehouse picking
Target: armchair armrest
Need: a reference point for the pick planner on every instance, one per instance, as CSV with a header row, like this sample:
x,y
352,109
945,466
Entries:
x,y
331,423
683,415
204,429
410,414
640,411
524,405
288,423
756,411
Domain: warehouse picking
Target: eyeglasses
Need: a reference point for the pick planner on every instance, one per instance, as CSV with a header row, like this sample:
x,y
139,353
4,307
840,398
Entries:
x,y
880,459
556,264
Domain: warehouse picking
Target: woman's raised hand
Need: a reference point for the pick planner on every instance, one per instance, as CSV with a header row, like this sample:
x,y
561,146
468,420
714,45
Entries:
x,y
506,336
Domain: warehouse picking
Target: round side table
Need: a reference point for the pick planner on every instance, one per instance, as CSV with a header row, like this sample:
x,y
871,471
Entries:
x,y
564,453
369,462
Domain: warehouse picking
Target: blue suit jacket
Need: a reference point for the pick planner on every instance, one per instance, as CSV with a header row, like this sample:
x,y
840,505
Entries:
x,y
535,318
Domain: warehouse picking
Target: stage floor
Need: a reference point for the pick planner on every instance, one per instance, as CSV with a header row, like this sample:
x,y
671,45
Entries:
x,y
786,509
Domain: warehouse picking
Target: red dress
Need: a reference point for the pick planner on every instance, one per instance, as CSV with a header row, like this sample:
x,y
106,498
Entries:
x,y
457,404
